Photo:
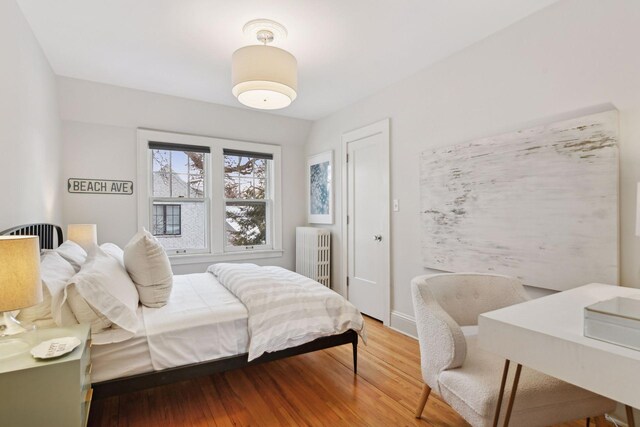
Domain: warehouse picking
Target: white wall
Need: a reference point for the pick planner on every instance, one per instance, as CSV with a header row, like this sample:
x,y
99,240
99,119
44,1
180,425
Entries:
x,y
99,141
29,126
574,57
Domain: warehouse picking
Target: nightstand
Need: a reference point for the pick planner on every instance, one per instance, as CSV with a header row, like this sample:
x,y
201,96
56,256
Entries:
x,y
56,392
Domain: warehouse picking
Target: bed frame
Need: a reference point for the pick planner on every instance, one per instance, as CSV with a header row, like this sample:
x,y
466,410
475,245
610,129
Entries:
x,y
117,386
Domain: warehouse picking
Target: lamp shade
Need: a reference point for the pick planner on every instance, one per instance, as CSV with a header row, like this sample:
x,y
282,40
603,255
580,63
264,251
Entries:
x,y
264,77
20,284
86,235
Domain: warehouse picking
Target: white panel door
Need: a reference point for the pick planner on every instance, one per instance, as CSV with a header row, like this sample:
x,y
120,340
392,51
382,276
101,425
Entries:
x,y
368,220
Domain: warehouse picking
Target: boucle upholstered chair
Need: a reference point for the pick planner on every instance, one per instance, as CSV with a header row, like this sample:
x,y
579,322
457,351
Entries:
x,y
468,378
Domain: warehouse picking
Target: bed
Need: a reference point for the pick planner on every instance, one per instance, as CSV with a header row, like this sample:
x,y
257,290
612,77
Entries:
x,y
202,313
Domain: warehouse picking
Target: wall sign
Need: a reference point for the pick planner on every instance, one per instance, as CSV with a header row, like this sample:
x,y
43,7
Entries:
x,y
99,186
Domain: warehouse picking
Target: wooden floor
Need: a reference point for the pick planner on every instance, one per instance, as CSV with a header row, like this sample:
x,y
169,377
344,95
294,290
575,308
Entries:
x,y
317,389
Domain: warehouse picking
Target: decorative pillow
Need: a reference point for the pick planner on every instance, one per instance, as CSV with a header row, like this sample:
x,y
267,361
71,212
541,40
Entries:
x,y
102,294
73,253
115,251
148,265
53,310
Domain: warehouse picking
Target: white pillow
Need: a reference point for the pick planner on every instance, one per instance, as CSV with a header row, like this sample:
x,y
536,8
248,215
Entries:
x,y
110,297
148,265
115,251
73,253
53,310
39,314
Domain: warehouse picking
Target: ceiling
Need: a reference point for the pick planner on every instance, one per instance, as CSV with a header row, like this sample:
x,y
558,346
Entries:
x,y
346,49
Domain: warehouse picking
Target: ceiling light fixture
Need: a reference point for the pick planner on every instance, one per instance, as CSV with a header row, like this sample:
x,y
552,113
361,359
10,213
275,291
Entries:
x,y
264,77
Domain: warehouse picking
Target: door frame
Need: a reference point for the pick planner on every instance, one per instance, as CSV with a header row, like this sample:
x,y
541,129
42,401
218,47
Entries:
x,y
380,127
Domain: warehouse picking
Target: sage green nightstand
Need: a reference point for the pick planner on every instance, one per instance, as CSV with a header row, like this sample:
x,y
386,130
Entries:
x,y
56,392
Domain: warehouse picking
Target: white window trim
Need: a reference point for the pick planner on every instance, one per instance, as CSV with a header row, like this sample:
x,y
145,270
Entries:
x,y
215,194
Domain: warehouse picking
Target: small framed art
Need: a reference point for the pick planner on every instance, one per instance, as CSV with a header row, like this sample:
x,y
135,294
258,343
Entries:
x,y
320,188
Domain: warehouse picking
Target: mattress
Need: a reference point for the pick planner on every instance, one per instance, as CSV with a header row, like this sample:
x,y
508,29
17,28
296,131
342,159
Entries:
x,y
202,321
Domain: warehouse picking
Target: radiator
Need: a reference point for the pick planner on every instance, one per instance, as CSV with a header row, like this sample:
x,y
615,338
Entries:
x,y
313,254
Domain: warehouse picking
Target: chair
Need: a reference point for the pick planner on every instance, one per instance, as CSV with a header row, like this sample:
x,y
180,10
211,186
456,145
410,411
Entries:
x,y
468,378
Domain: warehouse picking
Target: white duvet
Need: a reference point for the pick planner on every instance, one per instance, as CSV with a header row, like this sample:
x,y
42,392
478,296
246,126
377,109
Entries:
x,y
285,308
201,322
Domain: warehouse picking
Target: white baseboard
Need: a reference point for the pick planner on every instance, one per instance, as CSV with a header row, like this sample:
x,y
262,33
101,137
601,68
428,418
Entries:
x,y
404,324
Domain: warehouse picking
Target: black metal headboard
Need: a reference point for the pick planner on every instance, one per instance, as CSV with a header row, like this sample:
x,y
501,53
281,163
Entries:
x,y
50,234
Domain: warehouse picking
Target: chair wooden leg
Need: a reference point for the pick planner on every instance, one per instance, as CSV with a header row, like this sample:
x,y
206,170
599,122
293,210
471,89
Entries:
x,y
505,373
426,390
588,421
512,398
601,421
630,420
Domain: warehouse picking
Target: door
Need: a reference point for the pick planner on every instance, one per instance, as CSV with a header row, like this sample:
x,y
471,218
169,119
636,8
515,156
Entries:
x,y
367,219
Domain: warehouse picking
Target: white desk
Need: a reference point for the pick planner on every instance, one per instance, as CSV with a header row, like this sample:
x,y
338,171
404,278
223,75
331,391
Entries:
x,y
546,334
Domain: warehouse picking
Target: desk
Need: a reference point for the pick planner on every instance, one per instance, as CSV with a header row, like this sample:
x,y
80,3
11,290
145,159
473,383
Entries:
x,y
546,334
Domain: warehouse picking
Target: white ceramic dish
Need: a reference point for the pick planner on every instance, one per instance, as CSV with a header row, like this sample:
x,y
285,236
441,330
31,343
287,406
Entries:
x,y
55,348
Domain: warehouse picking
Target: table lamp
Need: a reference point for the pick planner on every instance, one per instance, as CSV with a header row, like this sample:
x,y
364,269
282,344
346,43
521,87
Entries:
x,y
20,284
85,235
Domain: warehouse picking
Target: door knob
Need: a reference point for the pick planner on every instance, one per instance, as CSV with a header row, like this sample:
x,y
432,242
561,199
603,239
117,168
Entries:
x,y
377,238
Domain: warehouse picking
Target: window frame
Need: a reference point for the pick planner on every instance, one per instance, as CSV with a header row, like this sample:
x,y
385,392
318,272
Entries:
x,y
215,206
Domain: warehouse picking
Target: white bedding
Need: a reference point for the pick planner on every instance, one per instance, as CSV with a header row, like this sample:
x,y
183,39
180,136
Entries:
x,y
202,321
286,309
118,359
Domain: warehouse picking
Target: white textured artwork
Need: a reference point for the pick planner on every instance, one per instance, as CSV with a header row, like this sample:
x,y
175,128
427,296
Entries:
x,y
539,204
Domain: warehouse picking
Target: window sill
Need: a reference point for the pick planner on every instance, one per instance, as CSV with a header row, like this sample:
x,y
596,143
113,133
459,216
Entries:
x,y
230,256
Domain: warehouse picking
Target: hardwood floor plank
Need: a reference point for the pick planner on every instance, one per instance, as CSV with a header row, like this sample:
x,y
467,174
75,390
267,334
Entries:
x,y
314,389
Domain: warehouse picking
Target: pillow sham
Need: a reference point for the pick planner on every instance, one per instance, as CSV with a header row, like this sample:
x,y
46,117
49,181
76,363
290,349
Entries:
x,y
73,253
102,294
53,310
114,251
148,265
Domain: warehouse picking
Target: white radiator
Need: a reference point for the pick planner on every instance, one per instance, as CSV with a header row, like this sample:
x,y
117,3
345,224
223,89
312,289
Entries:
x,y
313,254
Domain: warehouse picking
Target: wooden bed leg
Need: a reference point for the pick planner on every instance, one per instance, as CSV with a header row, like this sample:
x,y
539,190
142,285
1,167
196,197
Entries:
x,y
354,343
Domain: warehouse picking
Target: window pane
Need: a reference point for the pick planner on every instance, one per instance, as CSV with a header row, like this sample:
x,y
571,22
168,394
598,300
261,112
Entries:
x,y
245,177
260,188
179,161
246,188
246,223
179,185
184,223
161,184
158,220
161,159
196,186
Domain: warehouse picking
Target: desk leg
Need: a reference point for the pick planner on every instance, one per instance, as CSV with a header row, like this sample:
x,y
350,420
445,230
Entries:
x,y
630,420
505,373
512,398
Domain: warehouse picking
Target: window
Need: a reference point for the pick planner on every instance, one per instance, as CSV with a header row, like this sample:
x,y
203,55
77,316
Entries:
x,y
166,220
209,199
247,199
178,189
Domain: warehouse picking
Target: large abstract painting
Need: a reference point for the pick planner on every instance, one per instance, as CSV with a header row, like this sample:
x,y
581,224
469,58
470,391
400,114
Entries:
x,y
539,204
